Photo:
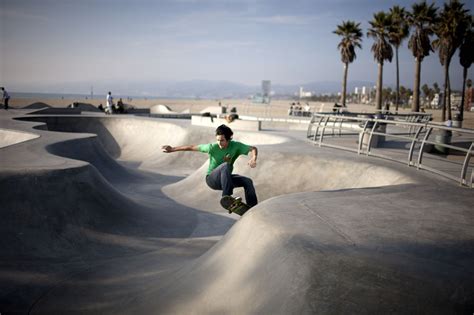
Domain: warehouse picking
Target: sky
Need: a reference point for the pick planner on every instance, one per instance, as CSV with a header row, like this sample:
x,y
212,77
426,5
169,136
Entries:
x,y
50,43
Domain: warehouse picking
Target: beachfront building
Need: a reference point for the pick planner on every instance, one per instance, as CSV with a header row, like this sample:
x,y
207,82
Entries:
x,y
362,94
266,91
303,94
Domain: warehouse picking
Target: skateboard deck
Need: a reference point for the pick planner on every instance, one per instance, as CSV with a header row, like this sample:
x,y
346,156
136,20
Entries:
x,y
235,205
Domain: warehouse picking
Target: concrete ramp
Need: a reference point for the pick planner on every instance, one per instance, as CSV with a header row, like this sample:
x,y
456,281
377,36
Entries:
x,y
347,251
10,137
161,109
68,211
216,110
280,173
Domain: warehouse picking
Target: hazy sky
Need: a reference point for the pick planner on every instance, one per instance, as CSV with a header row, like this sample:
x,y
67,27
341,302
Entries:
x,y
52,42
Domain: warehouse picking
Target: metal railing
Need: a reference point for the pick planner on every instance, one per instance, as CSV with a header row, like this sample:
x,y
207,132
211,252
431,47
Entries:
x,y
411,140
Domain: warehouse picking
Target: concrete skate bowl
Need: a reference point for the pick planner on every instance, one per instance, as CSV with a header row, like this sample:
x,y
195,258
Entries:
x,y
349,249
137,141
65,216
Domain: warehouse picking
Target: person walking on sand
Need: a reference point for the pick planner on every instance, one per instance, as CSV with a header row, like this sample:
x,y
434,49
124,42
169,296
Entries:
x,y
222,156
109,104
5,97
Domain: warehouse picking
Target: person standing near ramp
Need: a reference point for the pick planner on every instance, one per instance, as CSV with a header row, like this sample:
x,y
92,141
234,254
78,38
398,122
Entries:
x,y
5,97
110,103
222,156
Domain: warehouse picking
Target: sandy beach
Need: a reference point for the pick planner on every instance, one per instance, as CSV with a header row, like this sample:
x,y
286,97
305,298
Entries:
x,y
278,108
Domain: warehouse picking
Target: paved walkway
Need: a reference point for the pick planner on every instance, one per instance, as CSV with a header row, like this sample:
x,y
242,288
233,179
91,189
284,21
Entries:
x,y
443,161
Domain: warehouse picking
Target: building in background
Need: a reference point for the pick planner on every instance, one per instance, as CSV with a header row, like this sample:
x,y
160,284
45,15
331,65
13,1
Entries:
x,y
362,94
266,95
303,94
266,91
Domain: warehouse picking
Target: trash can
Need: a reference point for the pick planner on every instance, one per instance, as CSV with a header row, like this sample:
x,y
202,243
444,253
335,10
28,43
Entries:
x,y
362,123
457,122
444,137
377,140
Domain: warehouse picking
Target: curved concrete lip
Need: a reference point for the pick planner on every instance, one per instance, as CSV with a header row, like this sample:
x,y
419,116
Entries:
x,y
10,137
97,220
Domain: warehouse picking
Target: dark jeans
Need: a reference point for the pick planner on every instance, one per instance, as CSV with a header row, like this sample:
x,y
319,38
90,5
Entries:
x,y
221,178
5,102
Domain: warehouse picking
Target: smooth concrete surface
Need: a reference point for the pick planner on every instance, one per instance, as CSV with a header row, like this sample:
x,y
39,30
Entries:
x,y
217,110
10,137
97,220
214,122
161,109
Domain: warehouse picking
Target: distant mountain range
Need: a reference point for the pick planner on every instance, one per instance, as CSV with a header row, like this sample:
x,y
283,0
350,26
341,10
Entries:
x,y
224,89
204,89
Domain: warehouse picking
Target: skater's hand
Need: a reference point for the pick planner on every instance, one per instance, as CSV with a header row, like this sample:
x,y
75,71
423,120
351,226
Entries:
x,y
252,163
167,148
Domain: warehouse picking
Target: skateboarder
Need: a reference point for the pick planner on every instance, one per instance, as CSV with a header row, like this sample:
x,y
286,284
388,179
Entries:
x,y
222,156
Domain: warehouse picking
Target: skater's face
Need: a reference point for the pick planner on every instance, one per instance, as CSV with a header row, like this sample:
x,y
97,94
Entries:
x,y
221,141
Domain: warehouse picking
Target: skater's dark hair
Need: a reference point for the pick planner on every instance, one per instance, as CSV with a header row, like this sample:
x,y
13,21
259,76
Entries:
x,y
225,131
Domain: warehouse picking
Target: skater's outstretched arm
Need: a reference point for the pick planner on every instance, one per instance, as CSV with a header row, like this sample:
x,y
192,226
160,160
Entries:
x,y
169,149
253,160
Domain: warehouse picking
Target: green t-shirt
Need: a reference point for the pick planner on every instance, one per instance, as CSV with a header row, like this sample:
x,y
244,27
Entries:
x,y
216,154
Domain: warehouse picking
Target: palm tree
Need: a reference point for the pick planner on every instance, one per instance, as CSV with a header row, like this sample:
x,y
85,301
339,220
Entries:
x,y
436,88
398,32
351,34
450,29
382,50
466,57
426,92
421,19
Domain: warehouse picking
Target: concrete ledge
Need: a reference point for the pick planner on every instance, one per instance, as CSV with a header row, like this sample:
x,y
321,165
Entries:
x,y
161,109
176,116
57,111
217,110
10,137
236,124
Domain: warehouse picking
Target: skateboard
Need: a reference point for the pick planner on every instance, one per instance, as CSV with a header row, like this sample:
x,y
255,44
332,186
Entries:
x,y
235,205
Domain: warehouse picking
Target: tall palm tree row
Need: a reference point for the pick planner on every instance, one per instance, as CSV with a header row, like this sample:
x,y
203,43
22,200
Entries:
x,y
450,30
399,30
421,19
382,50
466,57
351,34
453,28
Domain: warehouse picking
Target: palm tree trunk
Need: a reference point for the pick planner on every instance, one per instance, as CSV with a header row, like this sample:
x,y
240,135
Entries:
x,y
464,77
415,107
378,95
449,98
344,85
446,98
397,95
